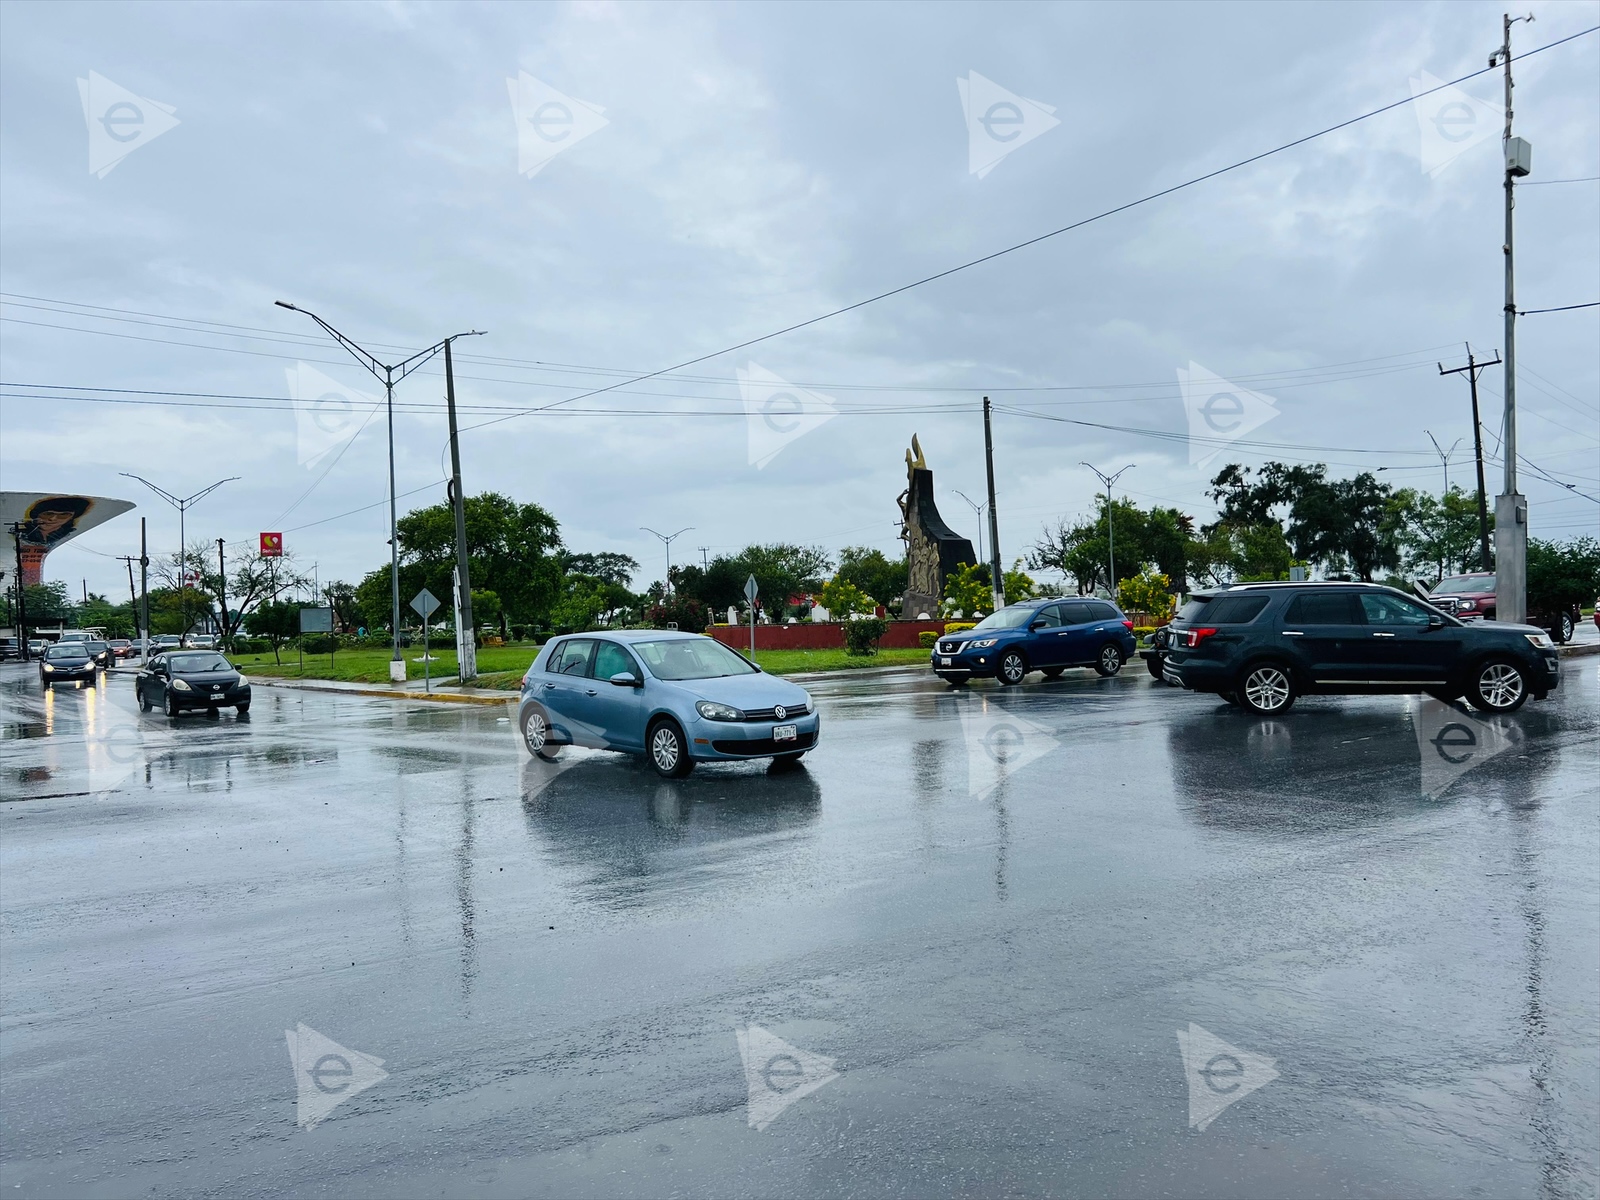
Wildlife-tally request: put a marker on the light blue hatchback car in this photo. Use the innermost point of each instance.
(678, 698)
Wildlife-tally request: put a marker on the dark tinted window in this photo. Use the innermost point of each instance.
(1194, 608)
(1235, 610)
(1075, 612)
(1099, 610)
(1322, 608)
(1384, 609)
(1049, 616)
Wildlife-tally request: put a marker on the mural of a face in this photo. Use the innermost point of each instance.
(54, 519)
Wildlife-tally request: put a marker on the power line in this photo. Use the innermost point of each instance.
(1528, 312)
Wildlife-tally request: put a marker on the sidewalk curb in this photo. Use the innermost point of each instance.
(384, 693)
(1574, 650)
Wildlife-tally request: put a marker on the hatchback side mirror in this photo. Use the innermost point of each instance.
(1435, 621)
(626, 679)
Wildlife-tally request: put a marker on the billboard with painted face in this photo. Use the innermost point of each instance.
(35, 523)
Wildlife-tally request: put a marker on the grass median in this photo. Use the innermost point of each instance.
(502, 666)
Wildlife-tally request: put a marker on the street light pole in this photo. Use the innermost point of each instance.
(666, 539)
(183, 507)
(977, 511)
(1444, 457)
(388, 374)
(1111, 545)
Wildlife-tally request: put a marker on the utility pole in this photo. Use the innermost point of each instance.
(1111, 545)
(977, 511)
(996, 578)
(222, 593)
(1444, 457)
(1472, 370)
(144, 590)
(466, 624)
(389, 375)
(183, 507)
(705, 560)
(666, 540)
(1511, 507)
(133, 596)
(22, 592)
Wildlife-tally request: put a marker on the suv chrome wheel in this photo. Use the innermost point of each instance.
(1012, 667)
(1110, 661)
(1500, 687)
(1267, 688)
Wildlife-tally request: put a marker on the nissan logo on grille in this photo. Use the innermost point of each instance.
(779, 712)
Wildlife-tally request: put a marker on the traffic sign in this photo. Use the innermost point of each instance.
(750, 589)
(424, 602)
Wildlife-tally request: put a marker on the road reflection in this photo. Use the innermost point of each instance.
(632, 837)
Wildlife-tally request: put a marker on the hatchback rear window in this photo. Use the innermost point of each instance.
(1235, 610)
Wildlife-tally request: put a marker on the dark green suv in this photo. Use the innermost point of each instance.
(1260, 645)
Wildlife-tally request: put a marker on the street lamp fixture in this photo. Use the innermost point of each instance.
(183, 507)
(1111, 545)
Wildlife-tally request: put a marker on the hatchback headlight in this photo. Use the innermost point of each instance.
(712, 711)
(982, 643)
(1542, 640)
(180, 685)
(244, 681)
(48, 667)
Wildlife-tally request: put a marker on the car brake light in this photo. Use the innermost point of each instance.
(1194, 637)
(1127, 624)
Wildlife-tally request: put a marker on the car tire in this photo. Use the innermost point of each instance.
(782, 761)
(1155, 666)
(668, 750)
(144, 701)
(1109, 661)
(170, 706)
(241, 709)
(1499, 685)
(1444, 695)
(1266, 689)
(1012, 669)
(92, 680)
(1565, 628)
(1053, 672)
(536, 735)
(1230, 698)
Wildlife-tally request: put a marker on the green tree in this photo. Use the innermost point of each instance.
(967, 593)
(879, 576)
(841, 597)
(1437, 536)
(611, 567)
(1017, 585)
(1562, 574)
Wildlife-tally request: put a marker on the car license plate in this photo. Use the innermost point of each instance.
(944, 662)
(785, 733)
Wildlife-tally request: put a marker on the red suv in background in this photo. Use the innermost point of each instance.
(1472, 595)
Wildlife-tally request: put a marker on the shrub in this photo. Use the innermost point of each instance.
(841, 598)
(927, 638)
(958, 626)
(319, 643)
(861, 637)
(689, 615)
(1148, 592)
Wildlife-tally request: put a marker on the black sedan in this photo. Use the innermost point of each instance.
(67, 662)
(183, 679)
(101, 652)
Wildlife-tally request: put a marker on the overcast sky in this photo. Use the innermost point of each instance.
(757, 166)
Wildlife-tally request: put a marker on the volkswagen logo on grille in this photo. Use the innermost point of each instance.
(779, 711)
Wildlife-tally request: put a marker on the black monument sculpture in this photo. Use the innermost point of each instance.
(933, 549)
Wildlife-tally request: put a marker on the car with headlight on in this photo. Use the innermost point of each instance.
(677, 698)
(178, 679)
(67, 662)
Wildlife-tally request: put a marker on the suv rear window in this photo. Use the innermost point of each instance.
(1323, 608)
(1193, 607)
(1099, 610)
(1234, 610)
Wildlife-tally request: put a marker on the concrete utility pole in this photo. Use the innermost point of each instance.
(388, 374)
(144, 589)
(466, 623)
(222, 593)
(1111, 545)
(1511, 507)
(997, 578)
(22, 592)
(1472, 370)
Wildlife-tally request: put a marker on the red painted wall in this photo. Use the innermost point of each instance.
(817, 636)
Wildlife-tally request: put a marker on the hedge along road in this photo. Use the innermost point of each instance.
(978, 918)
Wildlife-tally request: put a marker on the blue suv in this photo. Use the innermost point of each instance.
(1038, 635)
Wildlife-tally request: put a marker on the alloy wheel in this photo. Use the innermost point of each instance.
(1267, 689)
(1501, 686)
(664, 749)
(1110, 660)
(1012, 668)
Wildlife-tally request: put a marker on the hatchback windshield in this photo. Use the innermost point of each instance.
(1014, 617)
(184, 663)
(1465, 583)
(67, 650)
(697, 658)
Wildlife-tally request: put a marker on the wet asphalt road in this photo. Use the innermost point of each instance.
(993, 912)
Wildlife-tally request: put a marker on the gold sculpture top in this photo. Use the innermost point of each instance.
(914, 459)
